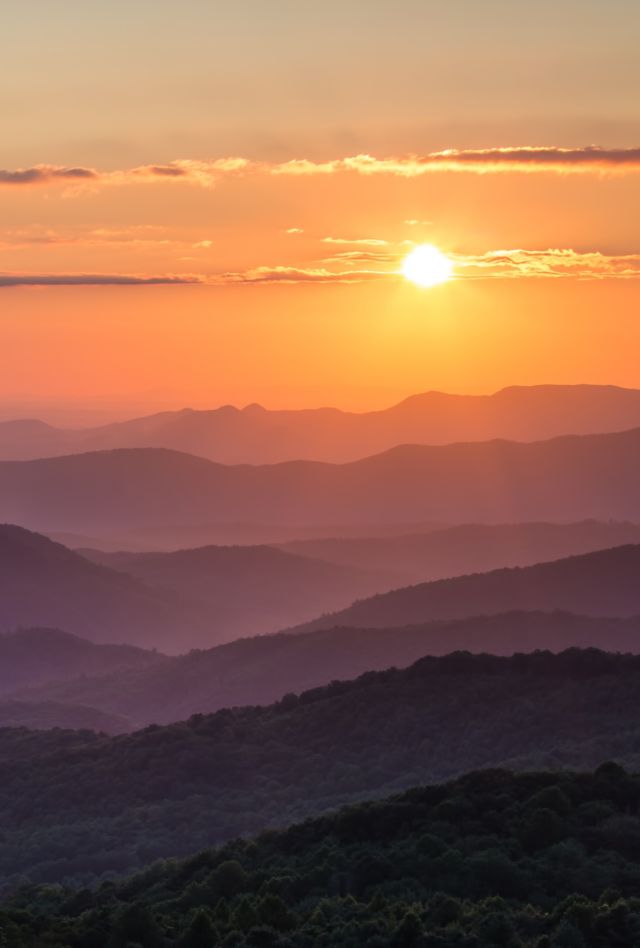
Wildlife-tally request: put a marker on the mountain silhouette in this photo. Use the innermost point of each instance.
(255, 435)
(176, 601)
(31, 657)
(565, 479)
(604, 583)
(468, 548)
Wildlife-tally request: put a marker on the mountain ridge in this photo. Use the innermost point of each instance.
(256, 435)
(567, 478)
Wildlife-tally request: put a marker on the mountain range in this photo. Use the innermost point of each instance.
(76, 805)
(194, 598)
(261, 670)
(255, 435)
(604, 583)
(34, 656)
(567, 478)
(467, 548)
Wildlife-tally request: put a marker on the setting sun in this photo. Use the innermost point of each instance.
(427, 266)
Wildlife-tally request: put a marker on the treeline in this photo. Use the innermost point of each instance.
(77, 806)
(492, 860)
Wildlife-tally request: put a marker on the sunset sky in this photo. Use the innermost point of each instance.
(209, 202)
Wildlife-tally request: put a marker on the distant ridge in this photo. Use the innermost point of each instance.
(568, 478)
(604, 583)
(256, 435)
(171, 601)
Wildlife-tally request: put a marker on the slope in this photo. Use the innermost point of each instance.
(604, 583)
(77, 805)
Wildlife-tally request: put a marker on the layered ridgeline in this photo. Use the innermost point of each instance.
(44, 715)
(263, 669)
(37, 656)
(76, 805)
(604, 583)
(194, 598)
(565, 479)
(492, 859)
(467, 548)
(256, 435)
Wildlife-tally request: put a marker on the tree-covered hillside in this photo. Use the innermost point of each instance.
(493, 860)
(75, 806)
(262, 669)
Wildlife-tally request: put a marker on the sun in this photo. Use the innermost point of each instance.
(427, 266)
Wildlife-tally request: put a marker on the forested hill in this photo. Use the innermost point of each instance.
(493, 859)
(73, 806)
(260, 670)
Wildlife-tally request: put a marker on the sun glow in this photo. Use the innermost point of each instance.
(427, 266)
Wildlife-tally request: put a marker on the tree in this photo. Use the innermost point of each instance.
(201, 932)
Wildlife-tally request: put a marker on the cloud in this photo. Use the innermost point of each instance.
(356, 241)
(362, 256)
(207, 172)
(495, 264)
(549, 263)
(91, 279)
(298, 275)
(524, 159)
(43, 174)
(202, 173)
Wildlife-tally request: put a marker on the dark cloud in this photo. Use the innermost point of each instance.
(91, 279)
(44, 173)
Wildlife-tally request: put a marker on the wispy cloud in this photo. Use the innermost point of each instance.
(495, 264)
(91, 279)
(356, 241)
(298, 275)
(485, 160)
(207, 172)
(364, 266)
(549, 263)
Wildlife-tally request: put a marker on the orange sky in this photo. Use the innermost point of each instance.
(220, 153)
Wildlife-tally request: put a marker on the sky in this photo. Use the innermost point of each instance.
(206, 202)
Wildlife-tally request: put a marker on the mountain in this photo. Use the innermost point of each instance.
(169, 537)
(491, 859)
(255, 435)
(244, 589)
(185, 599)
(468, 548)
(263, 669)
(31, 657)
(76, 805)
(565, 479)
(42, 583)
(41, 716)
(604, 583)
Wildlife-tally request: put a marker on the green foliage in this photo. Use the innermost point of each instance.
(386, 874)
(78, 808)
